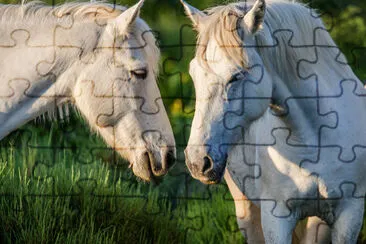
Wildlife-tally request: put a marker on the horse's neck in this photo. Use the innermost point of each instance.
(296, 111)
(35, 74)
(305, 102)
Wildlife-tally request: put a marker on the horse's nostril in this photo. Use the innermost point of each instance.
(170, 159)
(156, 167)
(207, 164)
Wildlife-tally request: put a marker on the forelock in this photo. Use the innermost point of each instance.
(223, 23)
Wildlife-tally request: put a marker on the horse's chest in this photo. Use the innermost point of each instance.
(311, 184)
(308, 179)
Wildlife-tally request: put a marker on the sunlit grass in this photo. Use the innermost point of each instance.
(60, 205)
(49, 196)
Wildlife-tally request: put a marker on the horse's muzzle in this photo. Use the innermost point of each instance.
(151, 166)
(206, 170)
(161, 168)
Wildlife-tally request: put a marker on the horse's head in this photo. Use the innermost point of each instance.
(117, 92)
(232, 86)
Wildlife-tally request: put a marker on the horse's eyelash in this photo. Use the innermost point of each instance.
(236, 77)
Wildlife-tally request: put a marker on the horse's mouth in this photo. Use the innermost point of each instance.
(211, 176)
(148, 173)
(210, 181)
(149, 177)
(156, 179)
(213, 180)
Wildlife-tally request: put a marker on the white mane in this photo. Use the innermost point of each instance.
(283, 19)
(40, 13)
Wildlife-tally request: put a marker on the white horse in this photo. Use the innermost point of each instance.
(278, 106)
(100, 58)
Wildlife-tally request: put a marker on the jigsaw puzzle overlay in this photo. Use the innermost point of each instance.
(84, 124)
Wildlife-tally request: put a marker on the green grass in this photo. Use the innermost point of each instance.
(66, 204)
(49, 195)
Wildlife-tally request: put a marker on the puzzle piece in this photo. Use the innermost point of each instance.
(183, 49)
(350, 90)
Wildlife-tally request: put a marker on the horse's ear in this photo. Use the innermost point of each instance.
(194, 14)
(255, 17)
(122, 23)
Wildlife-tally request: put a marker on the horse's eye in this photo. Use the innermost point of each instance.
(238, 76)
(139, 73)
(234, 78)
